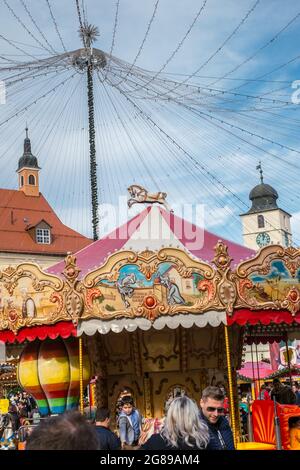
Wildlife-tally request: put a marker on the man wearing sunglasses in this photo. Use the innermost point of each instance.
(212, 413)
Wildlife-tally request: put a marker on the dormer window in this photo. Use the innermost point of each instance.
(43, 236)
(31, 180)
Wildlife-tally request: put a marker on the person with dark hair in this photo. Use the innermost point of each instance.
(130, 422)
(296, 390)
(212, 413)
(69, 431)
(107, 439)
(283, 394)
(14, 415)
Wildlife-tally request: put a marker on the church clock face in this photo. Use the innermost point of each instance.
(263, 239)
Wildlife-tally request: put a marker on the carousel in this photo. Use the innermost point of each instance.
(158, 307)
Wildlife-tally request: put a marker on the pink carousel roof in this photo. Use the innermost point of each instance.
(254, 370)
(152, 229)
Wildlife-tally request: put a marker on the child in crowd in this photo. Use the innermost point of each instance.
(130, 422)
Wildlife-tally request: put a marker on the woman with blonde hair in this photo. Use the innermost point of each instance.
(182, 429)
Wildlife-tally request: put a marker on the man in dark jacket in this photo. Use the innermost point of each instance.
(282, 393)
(212, 413)
(107, 439)
(296, 390)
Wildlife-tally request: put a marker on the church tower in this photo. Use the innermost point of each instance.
(28, 170)
(265, 223)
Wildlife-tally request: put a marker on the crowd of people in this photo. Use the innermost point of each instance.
(283, 393)
(187, 425)
(22, 410)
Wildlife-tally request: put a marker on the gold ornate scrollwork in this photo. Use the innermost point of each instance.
(73, 290)
(256, 295)
(71, 270)
(221, 259)
(227, 294)
(90, 296)
(243, 287)
(292, 301)
(226, 291)
(153, 303)
(209, 288)
(57, 298)
(28, 296)
(148, 269)
(261, 262)
(291, 257)
(151, 308)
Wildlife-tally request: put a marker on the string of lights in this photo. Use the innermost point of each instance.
(25, 27)
(143, 41)
(114, 33)
(218, 124)
(55, 25)
(180, 43)
(37, 26)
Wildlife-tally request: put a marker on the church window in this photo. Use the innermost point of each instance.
(260, 221)
(31, 179)
(286, 239)
(43, 236)
(22, 180)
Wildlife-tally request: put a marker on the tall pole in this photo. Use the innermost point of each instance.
(93, 164)
(257, 366)
(288, 359)
(80, 376)
(253, 374)
(230, 384)
(88, 60)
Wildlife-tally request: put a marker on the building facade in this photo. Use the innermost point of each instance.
(29, 228)
(265, 223)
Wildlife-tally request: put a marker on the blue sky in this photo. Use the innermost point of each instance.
(130, 150)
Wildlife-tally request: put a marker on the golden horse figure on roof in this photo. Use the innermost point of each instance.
(141, 195)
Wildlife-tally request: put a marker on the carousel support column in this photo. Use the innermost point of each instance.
(258, 376)
(253, 387)
(101, 384)
(288, 359)
(80, 375)
(99, 366)
(183, 347)
(230, 384)
(136, 354)
(148, 396)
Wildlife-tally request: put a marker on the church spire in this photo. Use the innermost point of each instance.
(28, 170)
(27, 143)
(259, 167)
(27, 160)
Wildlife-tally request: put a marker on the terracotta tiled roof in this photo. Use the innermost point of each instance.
(18, 212)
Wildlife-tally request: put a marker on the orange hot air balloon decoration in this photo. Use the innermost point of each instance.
(49, 371)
